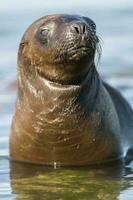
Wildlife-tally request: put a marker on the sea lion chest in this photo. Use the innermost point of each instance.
(68, 121)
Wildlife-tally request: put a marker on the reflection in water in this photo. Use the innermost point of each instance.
(37, 182)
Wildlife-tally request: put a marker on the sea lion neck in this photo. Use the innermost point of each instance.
(64, 80)
(85, 91)
(87, 81)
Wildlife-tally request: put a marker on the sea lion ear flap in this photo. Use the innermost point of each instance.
(23, 42)
(90, 22)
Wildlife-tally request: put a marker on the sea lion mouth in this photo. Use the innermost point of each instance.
(79, 52)
(73, 54)
(76, 53)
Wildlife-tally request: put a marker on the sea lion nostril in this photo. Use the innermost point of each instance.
(75, 28)
(84, 29)
(80, 28)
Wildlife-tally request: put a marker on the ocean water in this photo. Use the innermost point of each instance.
(114, 26)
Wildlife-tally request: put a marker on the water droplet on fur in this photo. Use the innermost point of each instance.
(59, 137)
(65, 139)
(55, 165)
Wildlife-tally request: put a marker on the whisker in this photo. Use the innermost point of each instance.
(98, 51)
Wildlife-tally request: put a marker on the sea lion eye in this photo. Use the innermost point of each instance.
(44, 32)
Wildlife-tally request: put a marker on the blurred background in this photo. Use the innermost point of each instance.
(114, 21)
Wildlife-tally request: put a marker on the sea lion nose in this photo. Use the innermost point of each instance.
(79, 28)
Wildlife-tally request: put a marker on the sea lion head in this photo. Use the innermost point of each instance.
(60, 48)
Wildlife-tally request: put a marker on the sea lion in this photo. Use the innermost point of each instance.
(65, 114)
